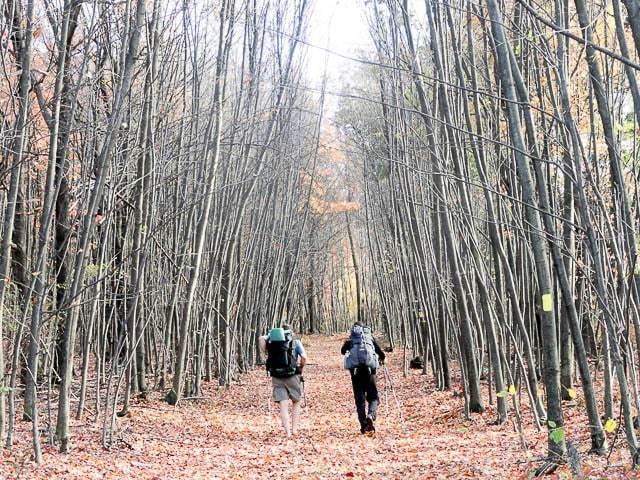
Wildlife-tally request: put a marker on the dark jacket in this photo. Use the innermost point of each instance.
(346, 346)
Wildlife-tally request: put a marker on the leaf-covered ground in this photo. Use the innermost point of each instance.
(234, 433)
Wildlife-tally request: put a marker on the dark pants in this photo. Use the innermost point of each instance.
(365, 391)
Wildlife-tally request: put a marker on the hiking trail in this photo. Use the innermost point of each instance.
(233, 433)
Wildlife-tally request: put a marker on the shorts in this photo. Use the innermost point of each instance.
(286, 388)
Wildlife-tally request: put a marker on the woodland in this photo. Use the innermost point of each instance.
(173, 184)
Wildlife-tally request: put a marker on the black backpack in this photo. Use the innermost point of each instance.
(281, 358)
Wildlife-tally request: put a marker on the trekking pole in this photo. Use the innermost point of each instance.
(386, 400)
(304, 391)
(269, 400)
(393, 390)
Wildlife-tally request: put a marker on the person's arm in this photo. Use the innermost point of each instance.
(379, 352)
(262, 343)
(302, 355)
(346, 346)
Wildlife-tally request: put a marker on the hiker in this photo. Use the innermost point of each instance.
(363, 355)
(285, 360)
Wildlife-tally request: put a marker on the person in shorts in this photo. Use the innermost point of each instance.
(289, 387)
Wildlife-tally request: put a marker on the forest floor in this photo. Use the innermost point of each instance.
(233, 433)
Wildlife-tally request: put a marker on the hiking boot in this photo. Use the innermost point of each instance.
(363, 430)
(370, 426)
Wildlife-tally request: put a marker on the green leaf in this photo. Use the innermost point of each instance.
(610, 425)
(501, 394)
(512, 390)
(5, 390)
(463, 429)
(91, 270)
(552, 424)
(572, 393)
(557, 435)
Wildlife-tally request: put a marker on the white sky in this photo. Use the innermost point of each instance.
(340, 26)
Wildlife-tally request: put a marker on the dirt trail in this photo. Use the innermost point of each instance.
(234, 433)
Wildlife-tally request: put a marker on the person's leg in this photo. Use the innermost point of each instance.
(295, 416)
(372, 397)
(294, 392)
(284, 416)
(359, 392)
(281, 396)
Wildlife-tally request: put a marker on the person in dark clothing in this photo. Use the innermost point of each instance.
(365, 391)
